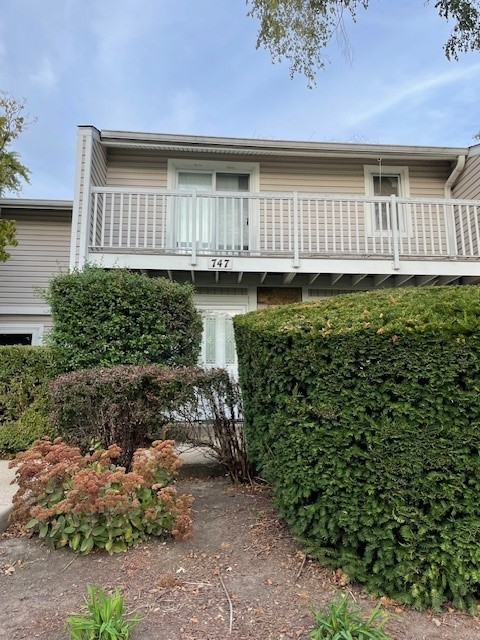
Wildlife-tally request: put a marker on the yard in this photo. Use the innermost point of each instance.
(240, 551)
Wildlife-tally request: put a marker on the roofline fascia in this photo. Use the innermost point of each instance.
(44, 205)
(211, 144)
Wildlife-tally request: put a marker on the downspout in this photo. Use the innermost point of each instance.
(452, 178)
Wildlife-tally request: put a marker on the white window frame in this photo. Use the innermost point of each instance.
(252, 169)
(404, 219)
(36, 330)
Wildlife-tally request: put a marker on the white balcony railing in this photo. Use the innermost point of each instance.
(282, 224)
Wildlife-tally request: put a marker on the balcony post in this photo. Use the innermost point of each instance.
(296, 254)
(395, 231)
(193, 256)
(451, 231)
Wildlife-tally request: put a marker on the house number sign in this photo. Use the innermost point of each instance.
(220, 264)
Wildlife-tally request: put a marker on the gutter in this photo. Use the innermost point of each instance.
(452, 178)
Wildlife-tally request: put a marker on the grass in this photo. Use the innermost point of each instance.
(339, 622)
(104, 618)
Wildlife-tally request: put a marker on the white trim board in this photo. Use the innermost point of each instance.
(36, 329)
(16, 310)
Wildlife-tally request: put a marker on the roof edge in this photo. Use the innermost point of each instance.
(27, 203)
(258, 145)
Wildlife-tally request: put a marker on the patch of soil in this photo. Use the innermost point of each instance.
(242, 569)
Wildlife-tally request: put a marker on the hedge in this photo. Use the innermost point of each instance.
(105, 318)
(24, 401)
(125, 405)
(363, 411)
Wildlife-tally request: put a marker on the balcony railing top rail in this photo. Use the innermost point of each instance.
(283, 223)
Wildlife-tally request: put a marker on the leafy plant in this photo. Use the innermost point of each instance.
(363, 413)
(123, 405)
(86, 502)
(24, 398)
(104, 618)
(338, 622)
(105, 318)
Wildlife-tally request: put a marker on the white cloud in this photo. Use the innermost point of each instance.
(417, 91)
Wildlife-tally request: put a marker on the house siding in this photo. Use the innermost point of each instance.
(343, 176)
(329, 176)
(136, 170)
(468, 184)
(43, 249)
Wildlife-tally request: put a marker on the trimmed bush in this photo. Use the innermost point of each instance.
(105, 318)
(24, 400)
(87, 502)
(364, 413)
(33, 424)
(125, 405)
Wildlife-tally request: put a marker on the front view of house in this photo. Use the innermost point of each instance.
(249, 222)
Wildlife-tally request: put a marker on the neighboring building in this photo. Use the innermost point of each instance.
(258, 222)
(43, 234)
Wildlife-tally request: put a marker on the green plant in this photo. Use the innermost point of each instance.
(104, 618)
(24, 399)
(87, 502)
(363, 411)
(33, 424)
(338, 622)
(106, 318)
(123, 405)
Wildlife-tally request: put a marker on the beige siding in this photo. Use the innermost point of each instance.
(341, 176)
(19, 319)
(332, 176)
(468, 184)
(78, 202)
(139, 170)
(99, 164)
(43, 248)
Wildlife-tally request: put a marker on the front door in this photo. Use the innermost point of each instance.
(218, 340)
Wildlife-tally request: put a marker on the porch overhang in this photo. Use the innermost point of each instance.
(327, 272)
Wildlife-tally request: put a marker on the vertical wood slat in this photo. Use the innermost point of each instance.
(462, 233)
(120, 222)
(112, 218)
(93, 240)
(477, 231)
(469, 230)
(321, 224)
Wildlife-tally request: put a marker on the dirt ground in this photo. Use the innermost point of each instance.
(241, 577)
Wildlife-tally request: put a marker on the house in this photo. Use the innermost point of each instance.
(250, 222)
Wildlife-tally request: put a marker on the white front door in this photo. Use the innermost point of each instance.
(218, 340)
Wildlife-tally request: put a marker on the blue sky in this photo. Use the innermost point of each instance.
(190, 66)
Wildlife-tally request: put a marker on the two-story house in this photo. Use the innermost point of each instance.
(255, 222)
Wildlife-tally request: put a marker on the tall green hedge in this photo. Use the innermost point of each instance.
(105, 318)
(364, 412)
(24, 399)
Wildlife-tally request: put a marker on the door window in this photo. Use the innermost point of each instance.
(221, 223)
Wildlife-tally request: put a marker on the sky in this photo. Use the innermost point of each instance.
(191, 66)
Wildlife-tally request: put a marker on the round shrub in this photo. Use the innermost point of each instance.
(105, 318)
(126, 405)
(364, 413)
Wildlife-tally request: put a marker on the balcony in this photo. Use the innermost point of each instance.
(286, 233)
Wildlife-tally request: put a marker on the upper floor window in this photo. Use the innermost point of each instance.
(386, 181)
(219, 223)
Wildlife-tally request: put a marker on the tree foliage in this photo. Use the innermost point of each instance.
(299, 30)
(13, 122)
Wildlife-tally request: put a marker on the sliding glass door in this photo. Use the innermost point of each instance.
(221, 220)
